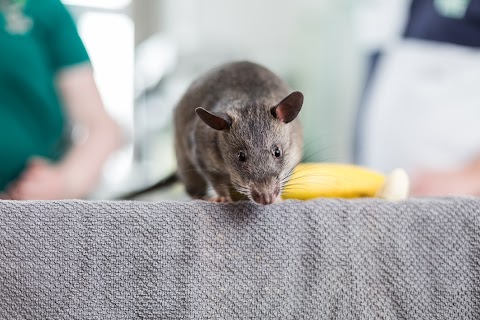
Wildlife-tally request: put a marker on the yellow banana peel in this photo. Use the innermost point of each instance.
(331, 180)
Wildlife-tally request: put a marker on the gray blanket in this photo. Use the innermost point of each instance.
(325, 259)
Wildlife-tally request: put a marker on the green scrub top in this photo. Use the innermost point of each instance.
(32, 50)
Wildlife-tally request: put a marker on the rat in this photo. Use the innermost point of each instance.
(237, 132)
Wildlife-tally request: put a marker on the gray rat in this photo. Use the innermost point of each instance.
(236, 130)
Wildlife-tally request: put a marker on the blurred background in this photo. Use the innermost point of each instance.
(146, 52)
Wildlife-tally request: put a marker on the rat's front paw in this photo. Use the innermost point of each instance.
(219, 199)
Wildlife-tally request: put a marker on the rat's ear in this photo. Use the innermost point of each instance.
(288, 108)
(218, 121)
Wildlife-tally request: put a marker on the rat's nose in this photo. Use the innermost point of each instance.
(265, 197)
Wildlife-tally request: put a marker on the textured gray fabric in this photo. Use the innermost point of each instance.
(325, 259)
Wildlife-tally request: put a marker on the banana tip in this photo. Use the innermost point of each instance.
(396, 186)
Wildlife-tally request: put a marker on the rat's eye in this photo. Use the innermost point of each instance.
(242, 157)
(276, 152)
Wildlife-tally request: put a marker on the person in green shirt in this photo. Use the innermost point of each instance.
(46, 89)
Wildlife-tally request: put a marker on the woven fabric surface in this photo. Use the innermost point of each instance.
(323, 259)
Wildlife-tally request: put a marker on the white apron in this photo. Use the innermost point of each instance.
(423, 109)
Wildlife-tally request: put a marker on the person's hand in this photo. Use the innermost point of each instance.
(41, 180)
(465, 181)
(79, 170)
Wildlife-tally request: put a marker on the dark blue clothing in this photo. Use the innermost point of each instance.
(426, 22)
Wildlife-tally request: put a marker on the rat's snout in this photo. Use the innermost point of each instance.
(265, 195)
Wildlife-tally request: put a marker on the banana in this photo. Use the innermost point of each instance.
(331, 180)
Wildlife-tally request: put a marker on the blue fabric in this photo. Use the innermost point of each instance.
(426, 21)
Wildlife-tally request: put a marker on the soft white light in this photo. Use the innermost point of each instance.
(108, 38)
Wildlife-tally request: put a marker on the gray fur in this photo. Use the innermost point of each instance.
(246, 93)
